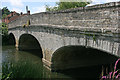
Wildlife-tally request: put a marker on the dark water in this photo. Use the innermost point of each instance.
(34, 62)
(30, 63)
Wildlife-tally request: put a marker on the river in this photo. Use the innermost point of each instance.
(21, 64)
(11, 55)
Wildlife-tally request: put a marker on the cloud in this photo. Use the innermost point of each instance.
(16, 3)
(104, 1)
(111, 0)
(17, 10)
(32, 0)
(94, 2)
(38, 9)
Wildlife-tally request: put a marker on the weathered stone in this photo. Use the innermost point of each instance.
(96, 27)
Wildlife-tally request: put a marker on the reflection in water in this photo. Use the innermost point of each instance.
(84, 72)
(29, 65)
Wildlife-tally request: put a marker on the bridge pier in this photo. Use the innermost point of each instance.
(47, 64)
(17, 43)
(47, 58)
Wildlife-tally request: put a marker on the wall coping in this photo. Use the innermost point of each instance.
(94, 7)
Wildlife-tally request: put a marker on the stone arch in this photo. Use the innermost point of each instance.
(68, 57)
(12, 40)
(28, 42)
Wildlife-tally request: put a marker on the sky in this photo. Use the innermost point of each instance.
(36, 6)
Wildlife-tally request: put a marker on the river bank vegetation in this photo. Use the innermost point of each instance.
(5, 37)
(113, 75)
(20, 70)
(3, 27)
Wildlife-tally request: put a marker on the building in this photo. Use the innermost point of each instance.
(14, 15)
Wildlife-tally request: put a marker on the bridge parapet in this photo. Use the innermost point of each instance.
(101, 18)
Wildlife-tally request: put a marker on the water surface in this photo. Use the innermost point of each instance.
(30, 59)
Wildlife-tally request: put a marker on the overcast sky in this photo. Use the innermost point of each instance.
(36, 6)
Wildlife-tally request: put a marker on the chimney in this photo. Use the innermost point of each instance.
(26, 8)
(21, 13)
(28, 12)
(11, 13)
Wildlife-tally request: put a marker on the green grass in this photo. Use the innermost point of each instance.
(21, 69)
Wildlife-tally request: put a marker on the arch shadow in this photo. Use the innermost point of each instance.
(80, 62)
(29, 43)
(11, 39)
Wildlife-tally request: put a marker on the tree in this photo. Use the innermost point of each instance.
(5, 12)
(3, 26)
(66, 5)
(51, 8)
(4, 29)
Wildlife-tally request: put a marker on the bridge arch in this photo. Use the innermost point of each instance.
(12, 40)
(28, 42)
(69, 57)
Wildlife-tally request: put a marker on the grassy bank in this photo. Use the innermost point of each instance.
(21, 69)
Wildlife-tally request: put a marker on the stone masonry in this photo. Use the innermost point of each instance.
(96, 27)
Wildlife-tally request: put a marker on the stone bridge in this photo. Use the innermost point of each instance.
(71, 38)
